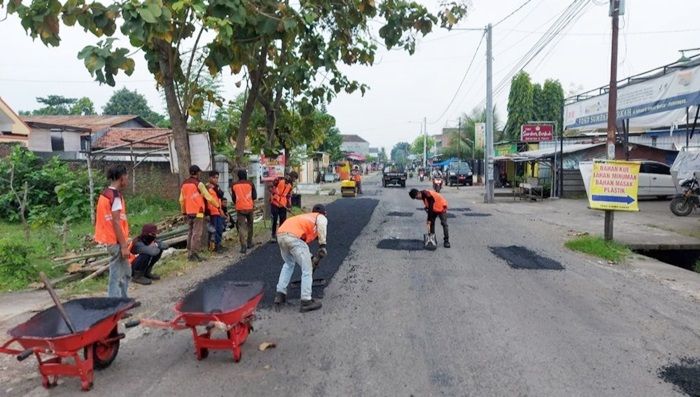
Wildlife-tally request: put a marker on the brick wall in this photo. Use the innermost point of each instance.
(152, 179)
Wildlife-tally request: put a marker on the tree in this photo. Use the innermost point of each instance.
(382, 158)
(553, 103)
(399, 152)
(537, 103)
(283, 48)
(83, 107)
(461, 142)
(331, 144)
(124, 102)
(54, 105)
(520, 105)
(417, 145)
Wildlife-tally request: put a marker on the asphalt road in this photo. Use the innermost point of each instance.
(456, 321)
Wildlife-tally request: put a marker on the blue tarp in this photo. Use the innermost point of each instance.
(445, 162)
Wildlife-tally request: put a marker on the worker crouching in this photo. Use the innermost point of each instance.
(294, 237)
(145, 251)
(436, 207)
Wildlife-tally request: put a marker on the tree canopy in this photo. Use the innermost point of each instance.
(400, 152)
(417, 145)
(124, 101)
(528, 102)
(58, 105)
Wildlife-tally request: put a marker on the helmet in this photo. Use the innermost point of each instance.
(319, 208)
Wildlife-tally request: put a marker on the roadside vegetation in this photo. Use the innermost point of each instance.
(598, 247)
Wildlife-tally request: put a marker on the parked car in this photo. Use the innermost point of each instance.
(655, 180)
(460, 173)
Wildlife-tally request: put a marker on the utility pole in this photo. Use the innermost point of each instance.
(425, 143)
(488, 153)
(612, 103)
(459, 136)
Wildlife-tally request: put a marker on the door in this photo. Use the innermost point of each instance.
(660, 180)
(644, 181)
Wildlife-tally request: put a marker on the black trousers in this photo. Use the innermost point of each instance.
(432, 216)
(144, 263)
(278, 213)
(245, 228)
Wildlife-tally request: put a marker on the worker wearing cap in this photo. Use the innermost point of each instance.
(436, 207)
(294, 237)
(193, 194)
(217, 221)
(112, 230)
(281, 200)
(243, 195)
(145, 251)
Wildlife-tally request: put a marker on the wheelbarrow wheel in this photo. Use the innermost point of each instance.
(104, 354)
(202, 353)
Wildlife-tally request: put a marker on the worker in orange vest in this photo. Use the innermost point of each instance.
(294, 237)
(112, 230)
(436, 207)
(216, 216)
(281, 200)
(243, 195)
(357, 177)
(193, 194)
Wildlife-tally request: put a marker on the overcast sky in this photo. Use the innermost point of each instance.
(404, 88)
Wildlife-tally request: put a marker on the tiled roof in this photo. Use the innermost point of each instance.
(93, 123)
(120, 136)
(352, 138)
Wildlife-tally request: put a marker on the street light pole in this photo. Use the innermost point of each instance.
(488, 153)
(612, 103)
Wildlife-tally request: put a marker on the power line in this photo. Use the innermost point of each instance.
(511, 14)
(650, 32)
(464, 77)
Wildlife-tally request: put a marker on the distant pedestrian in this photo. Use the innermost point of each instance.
(281, 200)
(243, 195)
(216, 218)
(193, 194)
(112, 230)
(294, 237)
(436, 207)
(145, 251)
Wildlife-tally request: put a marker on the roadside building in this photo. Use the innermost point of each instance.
(354, 144)
(12, 129)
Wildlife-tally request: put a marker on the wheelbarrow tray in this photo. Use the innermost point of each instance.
(94, 344)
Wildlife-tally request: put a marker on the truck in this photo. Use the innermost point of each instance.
(394, 175)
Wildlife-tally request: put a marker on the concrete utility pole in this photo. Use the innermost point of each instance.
(488, 153)
(612, 103)
(459, 136)
(425, 143)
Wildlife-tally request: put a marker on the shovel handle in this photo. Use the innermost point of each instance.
(25, 354)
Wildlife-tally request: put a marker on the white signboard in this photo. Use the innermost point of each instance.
(480, 135)
(200, 152)
(661, 101)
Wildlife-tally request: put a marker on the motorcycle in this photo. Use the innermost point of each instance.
(437, 184)
(421, 175)
(683, 204)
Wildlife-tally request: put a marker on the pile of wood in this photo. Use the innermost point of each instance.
(86, 265)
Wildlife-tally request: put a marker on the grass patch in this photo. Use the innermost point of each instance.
(90, 287)
(597, 246)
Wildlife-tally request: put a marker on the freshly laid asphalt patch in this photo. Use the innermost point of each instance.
(451, 215)
(476, 214)
(346, 219)
(399, 244)
(462, 209)
(395, 213)
(685, 375)
(522, 258)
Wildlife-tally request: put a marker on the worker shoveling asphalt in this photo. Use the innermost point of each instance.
(436, 207)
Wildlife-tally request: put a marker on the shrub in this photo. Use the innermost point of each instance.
(16, 270)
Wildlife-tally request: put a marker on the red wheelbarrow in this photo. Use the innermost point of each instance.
(94, 344)
(228, 306)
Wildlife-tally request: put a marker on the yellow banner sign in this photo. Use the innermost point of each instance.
(614, 185)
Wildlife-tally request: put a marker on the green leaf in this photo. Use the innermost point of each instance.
(147, 15)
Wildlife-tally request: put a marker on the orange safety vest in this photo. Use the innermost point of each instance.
(357, 178)
(243, 190)
(132, 255)
(440, 204)
(104, 230)
(302, 226)
(280, 191)
(194, 201)
(212, 209)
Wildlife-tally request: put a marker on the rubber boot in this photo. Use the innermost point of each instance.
(447, 243)
(139, 278)
(309, 305)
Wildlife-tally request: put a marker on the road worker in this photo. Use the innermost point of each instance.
(193, 195)
(281, 200)
(294, 237)
(436, 207)
(217, 221)
(112, 230)
(243, 195)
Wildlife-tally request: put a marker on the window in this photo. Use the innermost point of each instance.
(654, 168)
(56, 141)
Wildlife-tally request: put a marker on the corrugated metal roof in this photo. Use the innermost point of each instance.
(352, 138)
(119, 136)
(93, 123)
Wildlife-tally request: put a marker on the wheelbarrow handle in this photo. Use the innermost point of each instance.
(132, 323)
(25, 354)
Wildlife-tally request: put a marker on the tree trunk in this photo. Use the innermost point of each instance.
(256, 74)
(178, 118)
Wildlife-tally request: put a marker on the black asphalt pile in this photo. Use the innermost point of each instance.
(398, 244)
(522, 258)
(395, 213)
(346, 219)
(685, 375)
(476, 214)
